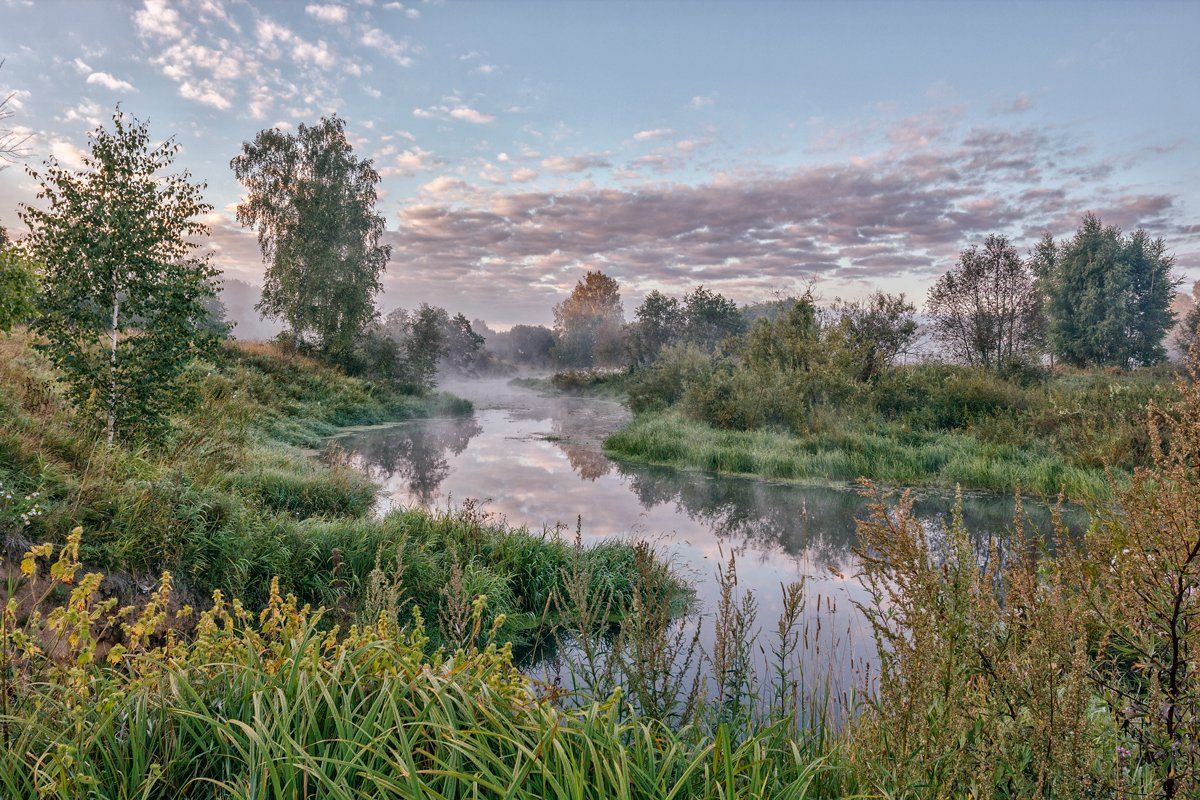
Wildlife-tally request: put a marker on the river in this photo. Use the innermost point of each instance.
(536, 461)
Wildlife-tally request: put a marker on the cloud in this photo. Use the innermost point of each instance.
(460, 112)
(67, 154)
(331, 13)
(110, 82)
(156, 18)
(14, 99)
(701, 101)
(85, 111)
(486, 69)
(411, 13)
(248, 61)
(409, 162)
(471, 115)
(444, 184)
(904, 211)
(523, 175)
(1019, 105)
(397, 51)
(577, 163)
(206, 93)
(656, 133)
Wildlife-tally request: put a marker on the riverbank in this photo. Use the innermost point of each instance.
(887, 454)
(925, 425)
(234, 498)
(598, 383)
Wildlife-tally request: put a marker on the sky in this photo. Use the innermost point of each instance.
(751, 147)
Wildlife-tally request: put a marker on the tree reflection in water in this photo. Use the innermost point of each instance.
(815, 522)
(415, 453)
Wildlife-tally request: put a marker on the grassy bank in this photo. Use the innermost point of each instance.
(936, 425)
(235, 499)
(272, 705)
(889, 453)
(604, 384)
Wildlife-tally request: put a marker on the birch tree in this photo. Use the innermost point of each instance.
(986, 310)
(312, 203)
(122, 299)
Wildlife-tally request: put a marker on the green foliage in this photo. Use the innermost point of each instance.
(313, 203)
(1003, 672)
(986, 310)
(122, 300)
(838, 450)
(18, 286)
(424, 346)
(704, 320)
(1110, 297)
(526, 345)
(882, 326)
(665, 380)
(942, 396)
(463, 344)
(587, 325)
(710, 318)
(595, 382)
(233, 501)
(658, 322)
(273, 704)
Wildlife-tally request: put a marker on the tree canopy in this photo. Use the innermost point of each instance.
(588, 323)
(986, 310)
(1109, 297)
(312, 202)
(123, 299)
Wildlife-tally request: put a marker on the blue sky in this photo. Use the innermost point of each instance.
(753, 147)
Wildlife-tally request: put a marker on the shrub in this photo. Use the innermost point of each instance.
(663, 382)
(944, 396)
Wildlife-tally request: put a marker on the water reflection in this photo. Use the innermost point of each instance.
(537, 461)
(413, 456)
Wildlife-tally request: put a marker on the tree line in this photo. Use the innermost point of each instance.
(113, 280)
(1101, 298)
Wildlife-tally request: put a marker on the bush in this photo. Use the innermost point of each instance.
(663, 382)
(945, 396)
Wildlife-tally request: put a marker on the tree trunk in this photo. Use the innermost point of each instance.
(112, 366)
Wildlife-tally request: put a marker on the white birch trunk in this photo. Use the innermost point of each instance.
(112, 365)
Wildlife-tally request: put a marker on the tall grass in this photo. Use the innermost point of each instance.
(889, 453)
(275, 705)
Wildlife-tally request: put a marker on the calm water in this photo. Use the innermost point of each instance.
(536, 461)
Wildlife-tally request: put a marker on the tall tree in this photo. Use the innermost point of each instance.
(710, 318)
(313, 204)
(588, 323)
(882, 326)
(123, 299)
(463, 344)
(658, 323)
(1110, 299)
(1188, 333)
(986, 310)
(1152, 288)
(425, 346)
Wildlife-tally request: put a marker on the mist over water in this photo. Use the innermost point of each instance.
(537, 461)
